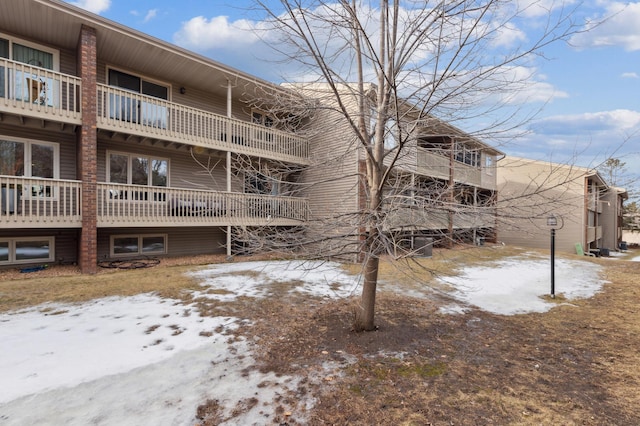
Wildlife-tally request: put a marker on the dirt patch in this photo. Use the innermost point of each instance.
(576, 364)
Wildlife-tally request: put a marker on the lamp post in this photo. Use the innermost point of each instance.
(552, 222)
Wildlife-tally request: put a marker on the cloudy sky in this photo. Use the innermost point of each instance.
(587, 89)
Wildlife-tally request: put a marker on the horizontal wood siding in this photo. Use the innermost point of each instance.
(184, 171)
(66, 141)
(192, 96)
(68, 62)
(332, 186)
(65, 244)
(180, 241)
(530, 191)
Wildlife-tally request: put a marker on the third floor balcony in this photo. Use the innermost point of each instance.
(37, 93)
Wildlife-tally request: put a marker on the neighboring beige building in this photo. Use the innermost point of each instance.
(442, 189)
(115, 144)
(588, 211)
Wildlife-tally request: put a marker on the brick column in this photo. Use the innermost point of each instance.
(87, 150)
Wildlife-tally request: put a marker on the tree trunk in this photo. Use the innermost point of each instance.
(365, 320)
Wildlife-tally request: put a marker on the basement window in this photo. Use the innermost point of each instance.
(138, 245)
(26, 250)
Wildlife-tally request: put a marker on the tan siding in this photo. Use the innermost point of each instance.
(180, 241)
(68, 62)
(184, 172)
(65, 243)
(67, 142)
(193, 97)
(531, 191)
(333, 183)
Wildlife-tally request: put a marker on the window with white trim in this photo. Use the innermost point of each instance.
(141, 110)
(26, 84)
(26, 250)
(133, 245)
(28, 158)
(137, 169)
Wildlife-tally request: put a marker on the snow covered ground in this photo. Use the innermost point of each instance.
(146, 360)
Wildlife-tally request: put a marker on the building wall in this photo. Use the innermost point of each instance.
(192, 96)
(332, 186)
(180, 241)
(184, 170)
(528, 192)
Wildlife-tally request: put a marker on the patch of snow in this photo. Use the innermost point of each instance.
(147, 360)
(253, 279)
(514, 286)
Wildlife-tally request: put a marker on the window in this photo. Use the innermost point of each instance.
(28, 86)
(467, 155)
(258, 183)
(141, 111)
(489, 161)
(26, 250)
(263, 119)
(21, 157)
(135, 169)
(259, 117)
(133, 245)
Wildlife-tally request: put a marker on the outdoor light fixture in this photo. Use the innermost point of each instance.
(552, 222)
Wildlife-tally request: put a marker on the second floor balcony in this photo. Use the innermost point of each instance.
(56, 203)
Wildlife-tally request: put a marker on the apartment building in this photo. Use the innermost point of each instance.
(588, 211)
(441, 191)
(114, 144)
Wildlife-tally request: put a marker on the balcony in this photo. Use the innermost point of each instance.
(145, 116)
(37, 92)
(144, 206)
(436, 164)
(39, 203)
(437, 218)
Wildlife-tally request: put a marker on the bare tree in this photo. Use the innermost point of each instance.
(381, 72)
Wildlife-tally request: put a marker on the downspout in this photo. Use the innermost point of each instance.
(229, 93)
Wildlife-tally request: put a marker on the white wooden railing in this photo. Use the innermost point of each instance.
(134, 205)
(39, 203)
(429, 217)
(39, 92)
(124, 111)
(437, 163)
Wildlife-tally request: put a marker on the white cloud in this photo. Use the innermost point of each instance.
(540, 8)
(629, 75)
(585, 139)
(150, 15)
(204, 34)
(618, 26)
(95, 6)
(508, 36)
(619, 120)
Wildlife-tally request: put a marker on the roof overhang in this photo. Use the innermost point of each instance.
(58, 24)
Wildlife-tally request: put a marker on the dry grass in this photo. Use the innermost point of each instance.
(575, 365)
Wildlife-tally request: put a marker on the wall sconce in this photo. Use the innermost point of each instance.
(183, 90)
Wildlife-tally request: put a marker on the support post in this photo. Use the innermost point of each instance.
(553, 265)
